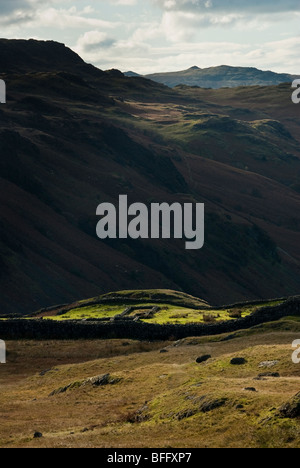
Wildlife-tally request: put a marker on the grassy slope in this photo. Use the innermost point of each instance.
(172, 384)
(175, 308)
(169, 296)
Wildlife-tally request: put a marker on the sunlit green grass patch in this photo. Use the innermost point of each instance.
(96, 312)
(168, 313)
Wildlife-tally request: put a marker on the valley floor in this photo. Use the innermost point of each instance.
(152, 399)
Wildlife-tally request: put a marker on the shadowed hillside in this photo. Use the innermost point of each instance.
(73, 136)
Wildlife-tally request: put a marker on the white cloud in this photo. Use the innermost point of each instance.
(122, 2)
(141, 56)
(94, 40)
(182, 18)
(43, 14)
(229, 6)
(180, 34)
(70, 18)
(183, 26)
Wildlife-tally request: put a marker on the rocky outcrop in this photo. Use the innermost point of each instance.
(291, 409)
(98, 381)
(210, 404)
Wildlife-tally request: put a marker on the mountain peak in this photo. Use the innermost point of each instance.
(23, 56)
(131, 74)
(223, 76)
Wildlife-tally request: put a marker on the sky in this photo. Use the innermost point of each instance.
(148, 36)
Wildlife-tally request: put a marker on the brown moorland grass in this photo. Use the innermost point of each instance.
(158, 400)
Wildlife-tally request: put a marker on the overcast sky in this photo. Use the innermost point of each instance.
(147, 36)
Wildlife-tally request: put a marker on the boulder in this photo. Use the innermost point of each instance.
(204, 358)
(274, 375)
(268, 364)
(98, 381)
(238, 361)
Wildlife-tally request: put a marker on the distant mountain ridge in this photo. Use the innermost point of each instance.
(219, 77)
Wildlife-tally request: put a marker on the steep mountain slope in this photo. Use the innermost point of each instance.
(220, 77)
(73, 136)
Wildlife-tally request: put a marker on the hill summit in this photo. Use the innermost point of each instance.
(221, 77)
